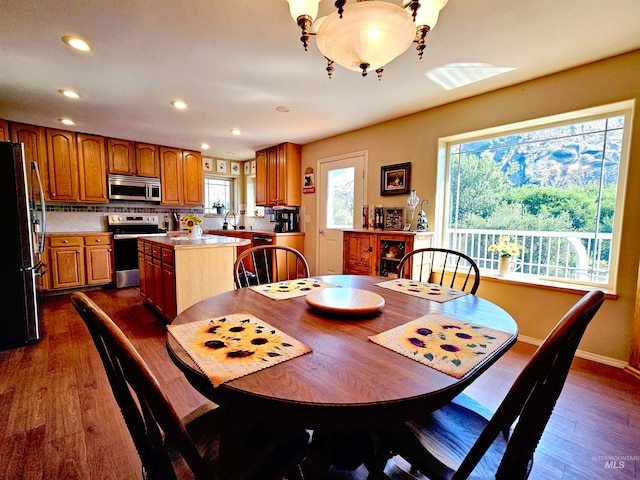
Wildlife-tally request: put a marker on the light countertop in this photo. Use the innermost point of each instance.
(206, 240)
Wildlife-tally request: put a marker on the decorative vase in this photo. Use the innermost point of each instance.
(504, 266)
(195, 232)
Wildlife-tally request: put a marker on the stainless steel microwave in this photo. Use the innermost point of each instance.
(144, 189)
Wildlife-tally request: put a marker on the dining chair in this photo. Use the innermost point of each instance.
(204, 444)
(458, 441)
(459, 271)
(269, 263)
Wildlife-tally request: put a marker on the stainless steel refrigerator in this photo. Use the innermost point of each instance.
(23, 223)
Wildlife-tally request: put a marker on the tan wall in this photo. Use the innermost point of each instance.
(414, 139)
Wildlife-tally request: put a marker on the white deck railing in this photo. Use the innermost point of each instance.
(582, 256)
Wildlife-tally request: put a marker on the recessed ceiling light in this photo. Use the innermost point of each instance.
(236, 131)
(179, 104)
(69, 93)
(66, 121)
(204, 146)
(77, 42)
(283, 109)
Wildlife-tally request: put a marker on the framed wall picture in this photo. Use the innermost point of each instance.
(247, 168)
(235, 168)
(207, 164)
(221, 166)
(394, 218)
(395, 179)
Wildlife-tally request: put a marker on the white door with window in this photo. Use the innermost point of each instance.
(341, 195)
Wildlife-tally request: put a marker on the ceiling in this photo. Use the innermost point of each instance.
(235, 61)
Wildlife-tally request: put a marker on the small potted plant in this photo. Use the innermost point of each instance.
(218, 206)
(506, 249)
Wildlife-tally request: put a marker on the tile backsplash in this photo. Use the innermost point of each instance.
(92, 218)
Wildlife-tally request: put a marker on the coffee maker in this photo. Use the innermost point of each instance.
(286, 219)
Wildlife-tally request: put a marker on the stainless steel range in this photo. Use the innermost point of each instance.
(126, 230)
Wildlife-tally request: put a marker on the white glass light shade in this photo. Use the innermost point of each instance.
(368, 32)
(303, 7)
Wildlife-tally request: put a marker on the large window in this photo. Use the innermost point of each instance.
(555, 189)
(218, 189)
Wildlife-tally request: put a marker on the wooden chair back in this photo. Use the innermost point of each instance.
(533, 395)
(269, 263)
(148, 414)
(458, 270)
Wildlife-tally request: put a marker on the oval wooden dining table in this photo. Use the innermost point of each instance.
(347, 382)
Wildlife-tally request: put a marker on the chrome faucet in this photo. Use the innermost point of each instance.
(225, 225)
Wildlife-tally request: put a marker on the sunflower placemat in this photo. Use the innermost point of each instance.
(230, 347)
(447, 344)
(291, 288)
(430, 291)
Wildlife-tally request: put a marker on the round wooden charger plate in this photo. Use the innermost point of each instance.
(345, 300)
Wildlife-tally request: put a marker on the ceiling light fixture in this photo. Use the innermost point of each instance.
(66, 121)
(179, 104)
(77, 42)
(204, 146)
(283, 109)
(368, 34)
(236, 131)
(69, 93)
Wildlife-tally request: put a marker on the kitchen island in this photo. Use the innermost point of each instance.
(177, 271)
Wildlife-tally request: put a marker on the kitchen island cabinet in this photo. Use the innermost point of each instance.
(177, 271)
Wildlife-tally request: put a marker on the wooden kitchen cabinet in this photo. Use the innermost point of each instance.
(121, 156)
(4, 131)
(358, 256)
(34, 141)
(92, 168)
(156, 273)
(171, 175)
(99, 259)
(66, 260)
(147, 160)
(157, 278)
(261, 177)
(76, 167)
(278, 177)
(181, 177)
(192, 177)
(126, 157)
(78, 260)
(142, 271)
(62, 165)
(170, 306)
(289, 240)
(367, 252)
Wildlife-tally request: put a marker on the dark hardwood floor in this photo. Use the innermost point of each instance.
(58, 419)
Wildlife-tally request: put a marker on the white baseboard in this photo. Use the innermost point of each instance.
(613, 362)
